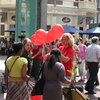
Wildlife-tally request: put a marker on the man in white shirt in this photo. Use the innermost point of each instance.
(92, 60)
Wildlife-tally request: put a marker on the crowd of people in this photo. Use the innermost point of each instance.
(25, 61)
(5, 45)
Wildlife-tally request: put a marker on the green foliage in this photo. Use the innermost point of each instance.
(74, 68)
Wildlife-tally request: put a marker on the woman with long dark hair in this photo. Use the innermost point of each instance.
(16, 68)
(54, 73)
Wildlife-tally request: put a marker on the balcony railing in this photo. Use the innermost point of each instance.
(7, 1)
(89, 4)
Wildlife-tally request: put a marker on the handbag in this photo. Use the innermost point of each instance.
(72, 93)
(78, 60)
(38, 88)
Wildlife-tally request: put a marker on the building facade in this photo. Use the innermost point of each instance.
(95, 22)
(76, 13)
(7, 17)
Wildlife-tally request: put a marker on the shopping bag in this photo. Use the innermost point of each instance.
(71, 93)
(37, 97)
(67, 93)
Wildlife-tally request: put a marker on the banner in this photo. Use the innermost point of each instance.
(80, 19)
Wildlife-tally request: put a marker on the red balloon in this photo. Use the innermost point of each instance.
(33, 37)
(57, 31)
(54, 33)
(41, 34)
(50, 37)
(35, 40)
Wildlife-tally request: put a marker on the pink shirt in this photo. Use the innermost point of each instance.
(82, 52)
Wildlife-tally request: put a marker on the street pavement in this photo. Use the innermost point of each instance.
(92, 97)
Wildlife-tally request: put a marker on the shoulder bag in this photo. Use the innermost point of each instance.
(38, 88)
(78, 60)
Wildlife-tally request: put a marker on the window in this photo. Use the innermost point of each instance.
(98, 17)
(2, 19)
(2, 29)
(81, 28)
(76, 4)
(50, 1)
(48, 27)
(58, 2)
(91, 21)
(95, 19)
(98, 4)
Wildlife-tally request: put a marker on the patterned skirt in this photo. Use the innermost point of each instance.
(17, 91)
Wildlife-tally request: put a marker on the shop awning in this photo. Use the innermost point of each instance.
(93, 30)
(23, 29)
(71, 29)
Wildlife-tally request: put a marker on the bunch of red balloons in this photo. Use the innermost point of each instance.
(41, 36)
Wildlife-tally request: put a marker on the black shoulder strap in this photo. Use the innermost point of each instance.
(13, 64)
(41, 70)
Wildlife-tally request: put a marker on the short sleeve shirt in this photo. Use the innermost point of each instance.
(68, 52)
(92, 53)
(16, 70)
(82, 52)
(35, 50)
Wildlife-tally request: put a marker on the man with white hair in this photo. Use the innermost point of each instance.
(92, 60)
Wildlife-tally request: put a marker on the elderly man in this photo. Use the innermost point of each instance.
(92, 61)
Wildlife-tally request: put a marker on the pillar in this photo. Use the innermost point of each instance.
(31, 17)
(0, 24)
(53, 19)
(18, 19)
(44, 14)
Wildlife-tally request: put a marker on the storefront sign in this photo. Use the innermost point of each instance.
(13, 17)
(66, 20)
